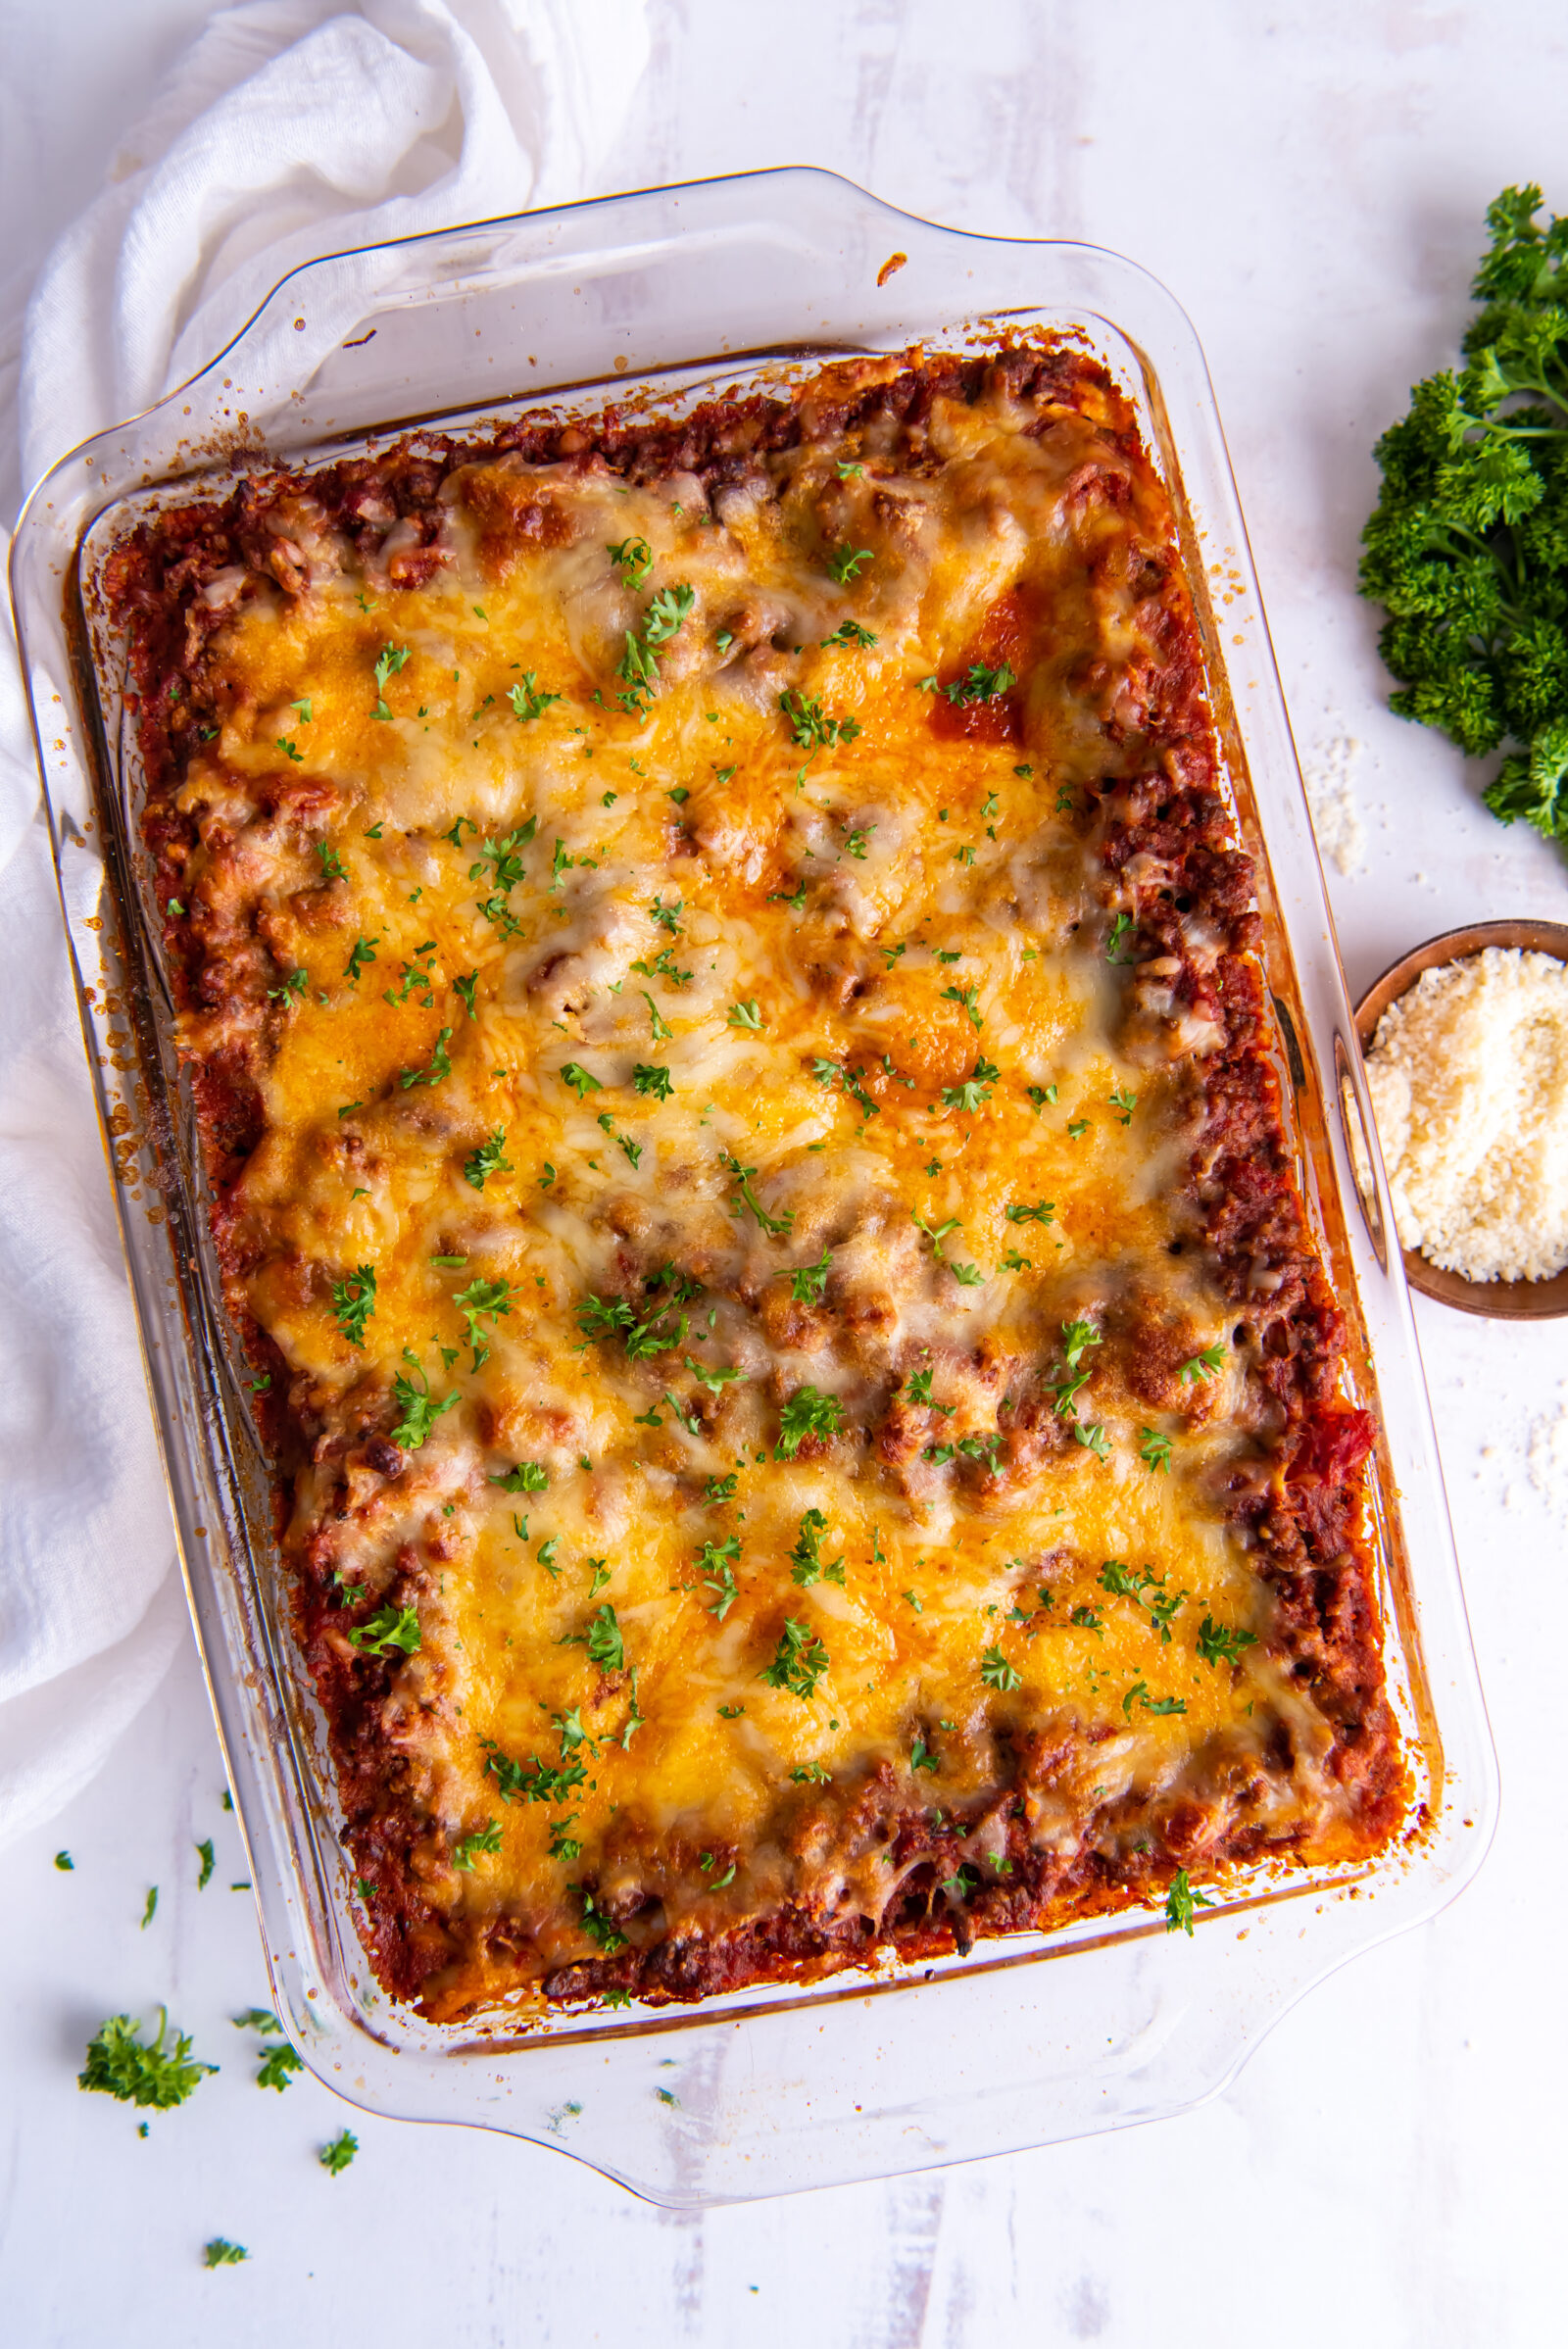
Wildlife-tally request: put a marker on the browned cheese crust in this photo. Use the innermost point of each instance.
(1017, 858)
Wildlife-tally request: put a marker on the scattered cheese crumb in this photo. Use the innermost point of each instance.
(1548, 1459)
(1336, 817)
(1469, 1080)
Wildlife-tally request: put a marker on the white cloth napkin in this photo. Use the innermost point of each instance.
(292, 128)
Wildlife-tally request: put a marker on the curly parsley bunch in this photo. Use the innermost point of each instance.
(1468, 546)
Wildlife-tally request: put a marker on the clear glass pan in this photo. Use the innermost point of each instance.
(1028, 2041)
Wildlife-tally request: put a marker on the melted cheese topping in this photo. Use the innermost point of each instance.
(845, 919)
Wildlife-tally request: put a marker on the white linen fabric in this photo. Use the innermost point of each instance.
(291, 128)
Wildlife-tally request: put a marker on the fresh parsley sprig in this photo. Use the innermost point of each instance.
(1467, 548)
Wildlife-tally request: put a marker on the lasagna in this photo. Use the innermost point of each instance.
(724, 1013)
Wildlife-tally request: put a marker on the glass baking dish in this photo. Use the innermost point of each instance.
(664, 296)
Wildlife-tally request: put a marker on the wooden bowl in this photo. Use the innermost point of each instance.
(1497, 1300)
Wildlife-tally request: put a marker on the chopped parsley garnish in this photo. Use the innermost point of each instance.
(563, 1844)
(391, 658)
(1123, 1103)
(848, 634)
(1155, 1451)
(500, 864)
(147, 2072)
(332, 866)
(975, 1089)
(1205, 1365)
(292, 989)
(1093, 1439)
(534, 1781)
(388, 1628)
(1181, 1903)
(633, 558)
(1077, 1128)
(485, 1840)
(809, 729)
(354, 1302)
(527, 702)
(639, 663)
(650, 1079)
(413, 1399)
(775, 1226)
(482, 1304)
(209, 1861)
(336, 2157)
(980, 684)
(718, 1489)
(361, 953)
(1042, 1212)
(65, 1863)
(809, 1282)
(1118, 930)
(809, 1773)
(438, 1066)
(222, 2253)
(596, 1926)
(488, 1159)
(799, 1661)
(602, 1640)
(808, 1566)
(612, 1318)
(582, 1081)
(807, 1412)
(845, 563)
(746, 1015)
(1151, 1704)
(466, 988)
(715, 1562)
(528, 1476)
(1136, 1584)
(1217, 1645)
(997, 1672)
(967, 997)
(923, 1757)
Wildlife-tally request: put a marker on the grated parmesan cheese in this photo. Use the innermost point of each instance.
(1469, 1080)
(1331, 796)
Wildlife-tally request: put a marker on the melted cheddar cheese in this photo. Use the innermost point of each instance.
(695, 994)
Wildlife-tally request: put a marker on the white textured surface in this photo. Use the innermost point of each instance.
(1309, 182)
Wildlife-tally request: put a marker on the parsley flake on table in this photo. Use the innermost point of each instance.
(147, 2072)
(336, 2157)
(222, 2253)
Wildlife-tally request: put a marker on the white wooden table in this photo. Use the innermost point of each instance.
(1310, 182)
